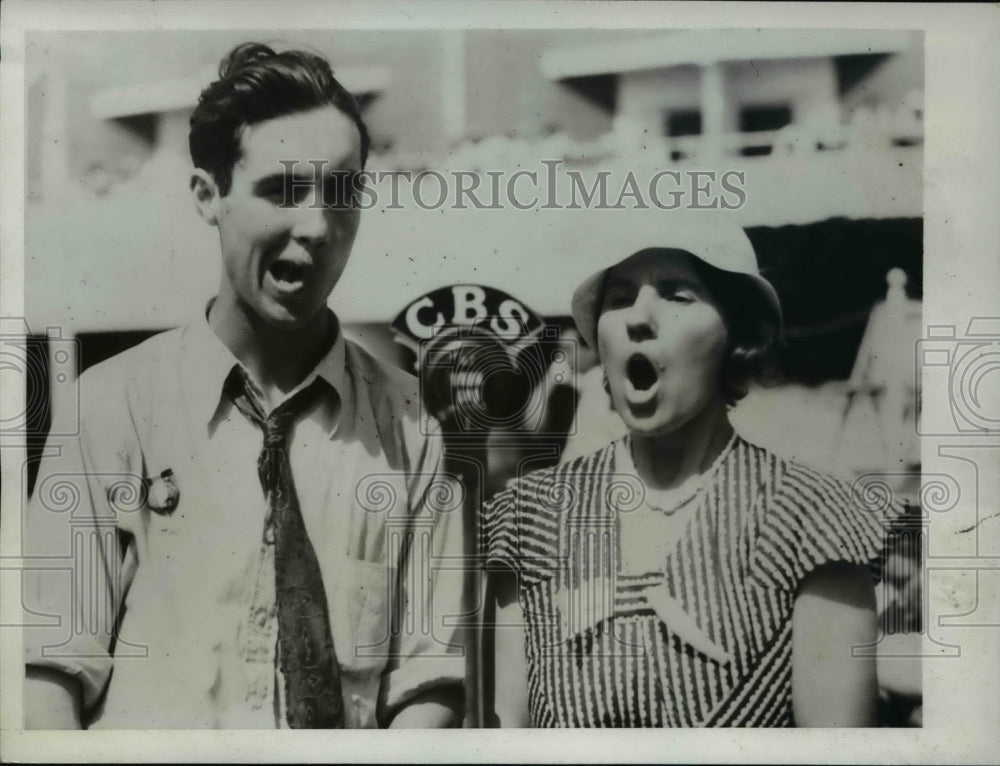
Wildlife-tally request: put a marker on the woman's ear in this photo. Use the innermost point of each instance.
(206, 196)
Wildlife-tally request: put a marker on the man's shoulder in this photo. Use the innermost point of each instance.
(123, 388)
(388, 387)
(387, 399)
(138, 362)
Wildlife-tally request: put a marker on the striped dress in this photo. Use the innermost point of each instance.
(704, 640)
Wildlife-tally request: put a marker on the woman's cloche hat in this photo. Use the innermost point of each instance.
(714, 240)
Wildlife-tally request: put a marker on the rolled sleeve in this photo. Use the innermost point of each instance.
(429, 650)
(77, 567)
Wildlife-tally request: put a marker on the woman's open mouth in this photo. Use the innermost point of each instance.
(643, 379)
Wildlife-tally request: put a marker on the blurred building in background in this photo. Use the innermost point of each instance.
(825, 126)
(104, 111)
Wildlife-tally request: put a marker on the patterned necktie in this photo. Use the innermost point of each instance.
(305, 644)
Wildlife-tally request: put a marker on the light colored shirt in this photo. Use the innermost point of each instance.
(167, 618)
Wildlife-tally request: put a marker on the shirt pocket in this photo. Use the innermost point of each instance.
(360, 616)
(359, 620)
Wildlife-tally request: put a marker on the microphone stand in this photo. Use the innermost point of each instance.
(466, 457)
(457, 407)
(467, 375)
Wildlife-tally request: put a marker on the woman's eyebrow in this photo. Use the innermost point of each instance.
(679, 282)
(672, 282)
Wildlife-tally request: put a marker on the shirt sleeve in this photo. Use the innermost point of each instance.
(76, 565)
(498, 533)
(429, 643)
(815, 519)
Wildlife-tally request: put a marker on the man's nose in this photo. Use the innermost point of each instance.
(312, 220)
(640, 320)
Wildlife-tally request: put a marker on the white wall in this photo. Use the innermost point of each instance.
(807, 85)
(645, 96)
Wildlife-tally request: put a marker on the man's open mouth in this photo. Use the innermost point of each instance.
(641, 372)
(288, 273)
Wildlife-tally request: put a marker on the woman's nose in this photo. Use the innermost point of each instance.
(640, 321)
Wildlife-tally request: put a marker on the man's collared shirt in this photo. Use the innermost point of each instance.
(167, 615)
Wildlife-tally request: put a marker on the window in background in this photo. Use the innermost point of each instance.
(678, 123)
(762, 118)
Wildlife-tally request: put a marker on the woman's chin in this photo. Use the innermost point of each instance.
(646, 423)
(655, 419)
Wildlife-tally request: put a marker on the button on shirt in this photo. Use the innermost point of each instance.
(167, 615)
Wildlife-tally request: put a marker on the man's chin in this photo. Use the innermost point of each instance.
(291, 317)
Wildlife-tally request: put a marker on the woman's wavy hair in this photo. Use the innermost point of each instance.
(257, 84)
(755, 331)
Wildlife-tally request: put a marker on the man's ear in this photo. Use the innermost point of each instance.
(206, 196)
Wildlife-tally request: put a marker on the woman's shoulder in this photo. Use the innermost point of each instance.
(813, 517)
(565, 477)
(787, 479)
(529, 513)
(802, 482)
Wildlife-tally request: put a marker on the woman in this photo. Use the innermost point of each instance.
(681, 576)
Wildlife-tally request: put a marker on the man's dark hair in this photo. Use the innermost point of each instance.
(257, 84)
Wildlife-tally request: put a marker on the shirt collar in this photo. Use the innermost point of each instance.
(208, 362)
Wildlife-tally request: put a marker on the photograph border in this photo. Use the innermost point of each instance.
(962, 283)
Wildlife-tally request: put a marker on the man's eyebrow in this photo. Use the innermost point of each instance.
(303, 175)
(279, 179)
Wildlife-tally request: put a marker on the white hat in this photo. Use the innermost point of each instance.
(712, 239)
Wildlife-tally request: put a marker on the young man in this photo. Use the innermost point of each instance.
(251, 538)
